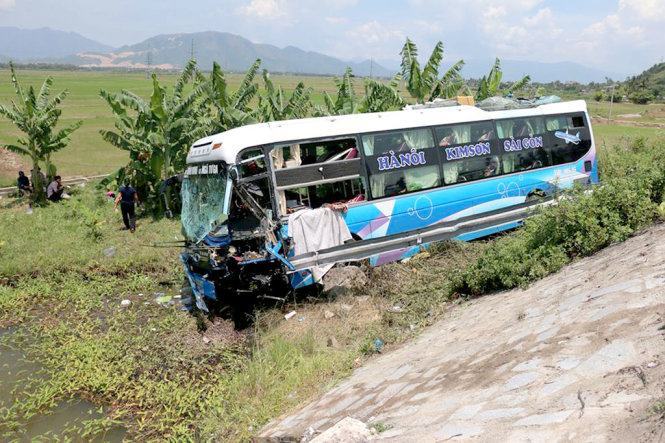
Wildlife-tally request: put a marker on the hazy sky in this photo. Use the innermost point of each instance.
(619, 35)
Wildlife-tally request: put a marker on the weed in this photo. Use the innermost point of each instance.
(380, 427)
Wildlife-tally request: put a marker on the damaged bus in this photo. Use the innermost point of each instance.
(271, 207)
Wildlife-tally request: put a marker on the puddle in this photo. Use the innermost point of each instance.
(66, 421)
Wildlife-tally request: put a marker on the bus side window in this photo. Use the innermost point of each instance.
(568, 138)
(310, 174)
(251, 162)
(467, 152)
(523, 143)
(400, 162)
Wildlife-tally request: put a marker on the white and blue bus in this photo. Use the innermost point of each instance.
(404, 179)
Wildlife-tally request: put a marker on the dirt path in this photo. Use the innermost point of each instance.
(577, 356)
(623, 122)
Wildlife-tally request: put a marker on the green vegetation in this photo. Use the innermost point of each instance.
(36, 115)
(647, 86)
(157, 134)
(424, 84)
(490, 85)
(164, 374)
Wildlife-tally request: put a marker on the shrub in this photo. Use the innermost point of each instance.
(581, 224)
(641, 97)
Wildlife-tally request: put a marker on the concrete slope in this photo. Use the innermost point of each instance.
(577, 356)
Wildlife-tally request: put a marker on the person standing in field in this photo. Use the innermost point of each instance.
(127, 198)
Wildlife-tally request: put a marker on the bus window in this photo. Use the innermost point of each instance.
(523, 143)
(568, 138)
(302, 154)
(342, 192)
(467, 152)
(464, 134)
(400, 162)
(251, 162)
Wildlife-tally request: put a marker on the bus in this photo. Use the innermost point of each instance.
(395, 182)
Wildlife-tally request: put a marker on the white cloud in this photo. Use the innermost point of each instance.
(6, 5)
(374, 32)
(651, 10)
(264, 9)
(336, 20)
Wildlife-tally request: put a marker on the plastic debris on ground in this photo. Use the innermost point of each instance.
(109, 252)
(378, 345)
(289, 315)
(125, 303)
(164, 300)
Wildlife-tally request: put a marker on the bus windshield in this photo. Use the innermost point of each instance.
(204, 203)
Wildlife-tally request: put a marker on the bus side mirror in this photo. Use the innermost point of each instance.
(233, 173)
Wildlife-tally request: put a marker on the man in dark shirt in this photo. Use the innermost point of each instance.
(126, 198)
(24, 183)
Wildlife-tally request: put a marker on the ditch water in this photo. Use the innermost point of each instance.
(65, 421)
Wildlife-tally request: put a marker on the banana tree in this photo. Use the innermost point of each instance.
(378, 97)
(490, 85)
(157, 133)
(230, 110)
(274, 105)
(36, 114)
(424, 84)
(346, 100)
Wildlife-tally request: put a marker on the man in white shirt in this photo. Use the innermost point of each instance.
(55, 189)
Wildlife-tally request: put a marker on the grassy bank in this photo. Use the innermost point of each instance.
(161, 373)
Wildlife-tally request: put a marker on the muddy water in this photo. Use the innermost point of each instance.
(66, 420)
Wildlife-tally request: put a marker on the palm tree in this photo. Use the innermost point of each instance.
(274, 105)
(490, 85)
(424, 84)
(37, 115)
(156, 133)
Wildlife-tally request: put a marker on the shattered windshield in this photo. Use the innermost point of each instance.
(204, 203)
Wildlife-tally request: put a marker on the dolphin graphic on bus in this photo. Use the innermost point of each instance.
(569, 138)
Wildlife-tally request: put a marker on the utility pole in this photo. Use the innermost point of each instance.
(609, 117)
(148, 64)
(192, 53)
(371, 67)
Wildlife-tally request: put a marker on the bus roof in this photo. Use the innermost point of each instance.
(235, 140)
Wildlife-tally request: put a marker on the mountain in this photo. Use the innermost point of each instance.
(236, 53)
(541, 72)
(232, 52)
(44, 44)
